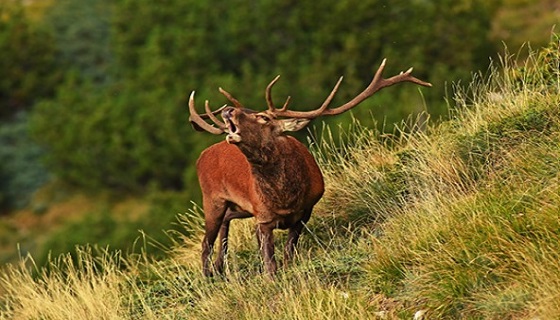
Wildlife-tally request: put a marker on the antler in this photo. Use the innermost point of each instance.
(376, 84)
(268, 97)
(198, 120)
(236, 103)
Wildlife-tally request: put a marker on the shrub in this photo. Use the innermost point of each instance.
(21, 171)
(123, 139)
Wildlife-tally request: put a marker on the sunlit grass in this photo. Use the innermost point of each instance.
(86, 289)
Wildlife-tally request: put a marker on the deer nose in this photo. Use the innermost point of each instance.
(227, 112)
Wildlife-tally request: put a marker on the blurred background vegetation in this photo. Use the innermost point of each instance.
(94, 139)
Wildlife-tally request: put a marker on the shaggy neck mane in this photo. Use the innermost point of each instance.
(277, 170)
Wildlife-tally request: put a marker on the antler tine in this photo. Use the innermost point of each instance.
(331, 96)
(235, 102)
(402, 76)
(310, 114)
(268, 94)
(284, 112)
(376, 84)
(212, 117)
(197, 121)
(215, 112)
(285, 106)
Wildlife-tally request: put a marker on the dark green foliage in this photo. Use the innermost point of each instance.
(21, 172)
(125, 139)
(81, 33)
(27, 65)
(312, 44)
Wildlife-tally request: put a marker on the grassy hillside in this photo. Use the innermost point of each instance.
(460, 220)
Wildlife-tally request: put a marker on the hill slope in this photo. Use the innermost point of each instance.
(459, 221)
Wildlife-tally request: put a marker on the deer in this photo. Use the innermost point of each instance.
(260, 171)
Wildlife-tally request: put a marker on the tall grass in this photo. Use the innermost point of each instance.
(459, 221)
(89, 289)
(480, 236)
(107, 286)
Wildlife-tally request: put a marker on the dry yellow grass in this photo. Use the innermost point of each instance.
(87, 290)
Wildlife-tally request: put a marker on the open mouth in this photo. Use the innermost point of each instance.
(231, 126)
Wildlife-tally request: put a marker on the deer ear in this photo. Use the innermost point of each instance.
(294, 124)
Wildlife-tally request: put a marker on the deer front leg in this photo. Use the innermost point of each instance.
(266, 244)
(213, 219)
(224, 230)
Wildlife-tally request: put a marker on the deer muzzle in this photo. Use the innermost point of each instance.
(232, 127)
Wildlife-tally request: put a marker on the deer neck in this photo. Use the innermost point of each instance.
(279, 175)
(267, 155)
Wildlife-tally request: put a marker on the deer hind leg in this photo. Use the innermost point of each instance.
(224, 230)
(293, 237)
(214, 212)
(266, 245)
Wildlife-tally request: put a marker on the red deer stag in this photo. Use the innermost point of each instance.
(260, 172)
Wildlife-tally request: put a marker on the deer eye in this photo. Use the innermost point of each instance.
(261, 118)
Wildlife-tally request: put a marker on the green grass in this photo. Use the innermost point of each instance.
(460, 220)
